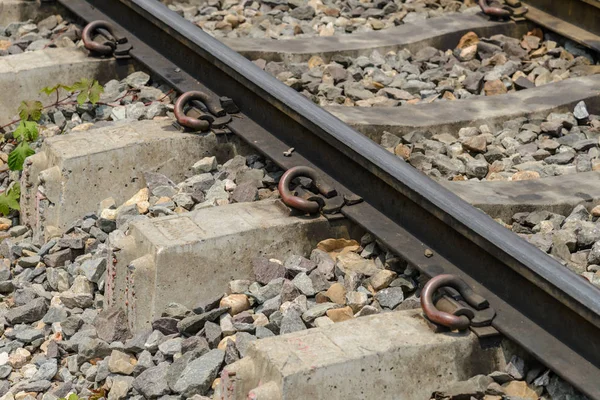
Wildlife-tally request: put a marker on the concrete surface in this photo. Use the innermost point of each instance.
(450, 116)
(190, 258)
(22, 10)
(24, 75)
(386, 356)
(558, 194)
(72, 173)
(441, 32)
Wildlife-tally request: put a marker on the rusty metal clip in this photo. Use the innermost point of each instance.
(202, 121)
(113, 45)
(497, 12)
(311, 205)
(452, 321)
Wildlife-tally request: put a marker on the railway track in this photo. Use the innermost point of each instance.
(414, 224)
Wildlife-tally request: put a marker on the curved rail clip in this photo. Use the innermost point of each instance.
(458, 304)
(114, 45)
(189, 112)
(311, 204)
(493, 11)
(453, 315)
(512, 9)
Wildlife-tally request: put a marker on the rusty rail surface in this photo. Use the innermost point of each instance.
(578, 20)
(539, 304)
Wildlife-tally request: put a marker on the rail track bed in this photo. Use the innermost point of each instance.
(334, 199)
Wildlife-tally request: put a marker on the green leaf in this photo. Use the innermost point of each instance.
(27, 130)
(73, 396)
(32, 131)
(17, 157)
(67, 88)
(82, 97)
(20, 132)
(4, 207)
(88, 91)
(30, 110)
(10, 199)
(14, 204)
(83, 84)
(14, 194)
(95, 91)
(49, 90)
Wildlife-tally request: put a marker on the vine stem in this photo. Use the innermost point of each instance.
(63, 30)
(43, 108)
(64, 102)
(170, 92)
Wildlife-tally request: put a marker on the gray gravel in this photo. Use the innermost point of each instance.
(57, 337)
(53, 31)
(573, 240)
(520, 380)
(283, 19)
(561, 144)
(240, 179)
(476, 67)
(87, 348)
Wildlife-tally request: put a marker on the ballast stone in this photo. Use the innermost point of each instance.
(190, 258)
(396, 350)
(73, 173)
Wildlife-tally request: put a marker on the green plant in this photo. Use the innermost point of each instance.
(9, 200)
(31, 111)
(88, 90)
(72, 396)
(25, 133)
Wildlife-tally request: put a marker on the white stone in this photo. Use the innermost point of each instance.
(207, 164)
(28, 371)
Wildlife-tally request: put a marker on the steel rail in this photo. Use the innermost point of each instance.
(540, 305)
(578, 20)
